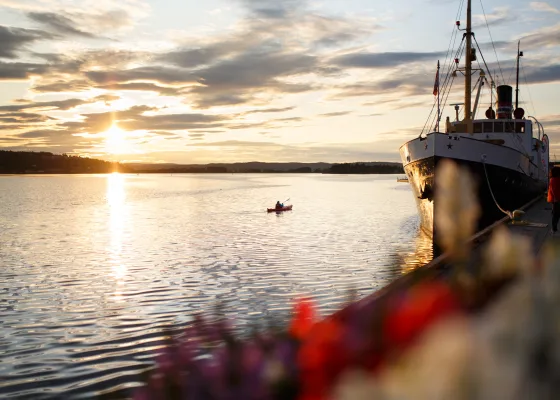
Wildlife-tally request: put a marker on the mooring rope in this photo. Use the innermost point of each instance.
(508, 213)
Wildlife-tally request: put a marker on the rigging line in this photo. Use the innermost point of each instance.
(453, 35)
(448, 75)
(447, 67)
(429, 116)
(450, 66)
(493, 93)
(445, 102)
(528, 90)
(508, 213)
(451, 39)
(446, 80)
(511, 73)
(492, 40)
(460, 10)
(485, 64)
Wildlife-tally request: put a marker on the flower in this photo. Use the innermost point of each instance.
(457, 213)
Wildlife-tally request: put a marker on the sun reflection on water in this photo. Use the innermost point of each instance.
(116, 199)
(421, 255)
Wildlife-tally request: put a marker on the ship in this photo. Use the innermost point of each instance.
(505, 151)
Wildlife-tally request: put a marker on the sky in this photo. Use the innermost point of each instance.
(187, 81)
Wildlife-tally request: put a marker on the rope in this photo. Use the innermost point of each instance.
(508, 213)
(492, 40)
(484, 60)
(427, 119)
(528, 90)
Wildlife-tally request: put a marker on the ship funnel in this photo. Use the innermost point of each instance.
(504, 104)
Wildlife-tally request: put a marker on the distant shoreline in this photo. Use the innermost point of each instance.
(195, 173)
(39, 163)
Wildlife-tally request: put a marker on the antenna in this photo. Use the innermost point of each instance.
(457, 109)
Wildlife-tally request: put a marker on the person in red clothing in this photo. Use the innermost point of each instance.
(554, 197)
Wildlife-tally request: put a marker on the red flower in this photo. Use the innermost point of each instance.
(304, 317)
(422, 305)
(321, 359)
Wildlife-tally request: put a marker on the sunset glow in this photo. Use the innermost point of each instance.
(245, 80)
(115, 141)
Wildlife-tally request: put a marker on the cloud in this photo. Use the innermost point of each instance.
(383, 60)
(57, 104)
(403, 83)
(59, 23)
(60, 141)
(544, 74)
(372, 115)
(164, 133)
(24, 117)
(134, 118)
(142, 87)
(239, 151)
(498, 16)
(77, 85)
(106, 98)
(274, 9)
(20, 70)
(335, 114)
(189, 58)
(13, 40)
(239, 79)
(545, 37)
(545, 7)
(154, 73)
(270, 110)
(237, 143)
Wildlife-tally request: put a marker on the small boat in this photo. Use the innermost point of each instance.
(285, 208)
(405, 179)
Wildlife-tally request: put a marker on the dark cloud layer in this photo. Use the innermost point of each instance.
(544, 74)
(13, 40)
(335, 114)
(58, 104)
(273, 9)
(161, 74)
(20, 71)
(383, 60)
(59, 23)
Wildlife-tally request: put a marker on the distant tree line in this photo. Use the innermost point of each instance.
(30, 162)
(364, 168)
(221, 170)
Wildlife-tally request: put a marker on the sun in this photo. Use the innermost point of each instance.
(115, 140)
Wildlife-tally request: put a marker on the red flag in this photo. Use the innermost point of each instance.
(436, 83)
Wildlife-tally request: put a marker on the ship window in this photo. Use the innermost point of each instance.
(498, 126)
(509, 126)
(488, 127)
(477, 128)
(520, 127)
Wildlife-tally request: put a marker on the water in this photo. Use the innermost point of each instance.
(93, 268)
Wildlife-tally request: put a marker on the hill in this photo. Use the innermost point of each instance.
(29, 162)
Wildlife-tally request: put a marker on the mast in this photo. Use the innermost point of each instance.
(438, 106)
(468, 70)
(519, 54)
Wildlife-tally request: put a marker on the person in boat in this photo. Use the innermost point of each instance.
(554, 197)
(279, 205)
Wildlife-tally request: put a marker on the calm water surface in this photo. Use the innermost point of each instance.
(93, 268)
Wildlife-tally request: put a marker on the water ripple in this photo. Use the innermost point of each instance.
(97, 276)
